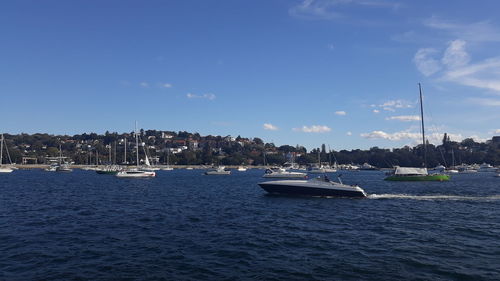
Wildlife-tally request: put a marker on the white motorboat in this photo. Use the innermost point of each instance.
(221, 170)
(137, 172)
(241, 169)
(4, 169)
(282, 173)
(320, 186)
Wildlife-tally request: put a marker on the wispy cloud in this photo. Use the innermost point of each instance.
(497, 131)
(485, 101)
(340, 113)
(313, 129)
(269, 126)
(376, 111)
(330, 9)
(144, 84)
(453, 64)
(204, 96)
(165, 85)
(349, 133)
(425, 63)
(404, 118)
(392, 105)
(482, 31)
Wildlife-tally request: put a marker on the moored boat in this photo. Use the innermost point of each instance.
(282, 173)
(415, 174)
(221, 170)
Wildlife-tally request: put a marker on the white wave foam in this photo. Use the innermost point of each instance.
(434, 197)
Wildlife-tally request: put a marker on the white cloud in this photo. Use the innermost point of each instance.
(340, 113)
(455, 55)
(144, 84)
(376, 111)
(497, 131)
(392, 105)
(485, 101)
(415, 137)
(328, 9)
(404, 118)
(349, 133)
(425, 63)
(204, 96)
(481, 31)
(269, 126)
(393, 137)
(313, 129)
(483, 75)
(166, 85)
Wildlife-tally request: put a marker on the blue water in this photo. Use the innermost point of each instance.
(182, 225)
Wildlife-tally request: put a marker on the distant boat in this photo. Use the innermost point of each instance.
(62, 167)
(486, 168)
(241, 169)
(4, 169)
(412, 173)
(221, 170)
(320, 186)
(282, 173)
(137, 172)
(108, 170)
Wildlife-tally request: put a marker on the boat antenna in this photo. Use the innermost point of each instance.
(423, 129)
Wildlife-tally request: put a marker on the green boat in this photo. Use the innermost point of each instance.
(417, 174)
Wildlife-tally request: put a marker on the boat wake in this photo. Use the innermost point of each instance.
(435, 197)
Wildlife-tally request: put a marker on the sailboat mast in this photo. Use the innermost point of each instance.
(136, 145)
(1, 150)
(125, 152)
(423, 128)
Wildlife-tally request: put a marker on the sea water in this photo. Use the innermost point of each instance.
(183, 225)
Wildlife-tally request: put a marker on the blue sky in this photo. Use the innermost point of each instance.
(340, 72)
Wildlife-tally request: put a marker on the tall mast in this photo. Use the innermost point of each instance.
(423, 128)
(136, 146)
(125, 152)
(1, 150)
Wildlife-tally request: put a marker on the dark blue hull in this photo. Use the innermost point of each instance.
(309, 191)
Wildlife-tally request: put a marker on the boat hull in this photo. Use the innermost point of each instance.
(436, 177)
(310, 191)
(141, 174)
(104, 172)
(6, 170)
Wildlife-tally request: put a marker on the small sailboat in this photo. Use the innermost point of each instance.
(62, 167)
(4, 169)
(168, 168)
(417, 174)
(137, 172)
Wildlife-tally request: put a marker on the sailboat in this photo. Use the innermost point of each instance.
(417, 174)
(136, 173)
(168, 168)
(4, 169)
(63, 167)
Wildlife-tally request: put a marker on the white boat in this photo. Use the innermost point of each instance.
(486, 168)
(4, 169)
(137, 172)
(316, 170)
(63, 168)
(221, 170)
(282, 173)
(320, 186)
(241, 169)
(52, 167)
